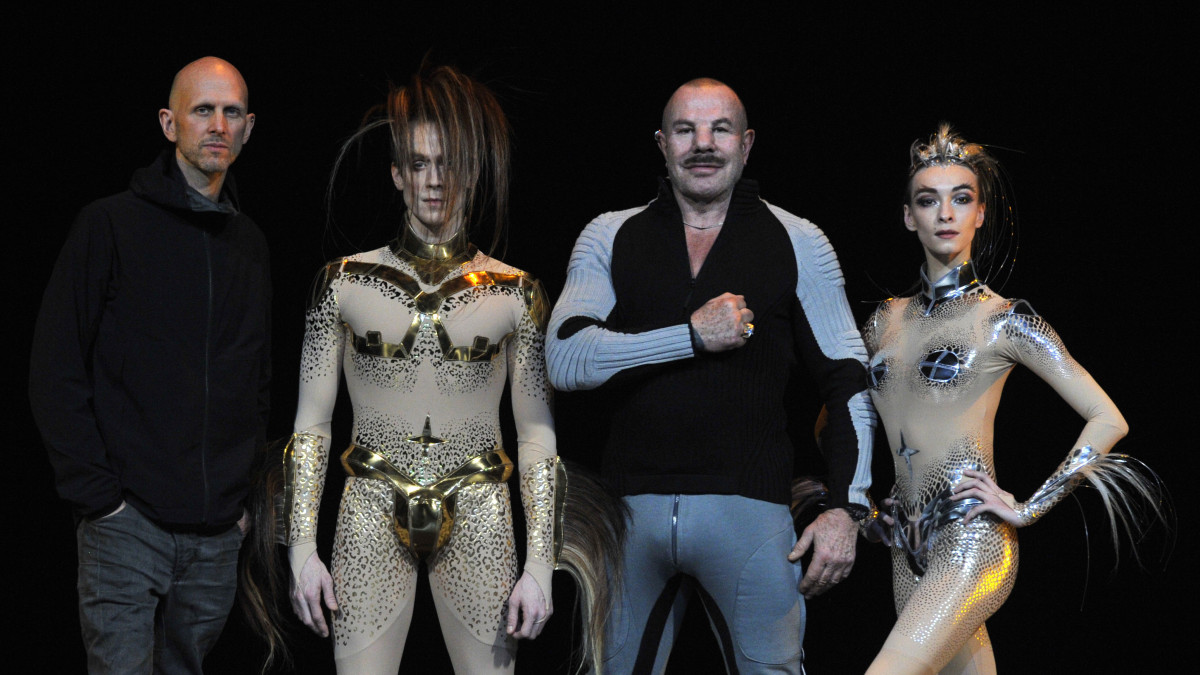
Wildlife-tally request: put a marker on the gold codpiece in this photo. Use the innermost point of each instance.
(423, 517)
(428, 307)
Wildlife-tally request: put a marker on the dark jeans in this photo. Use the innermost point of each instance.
(152, 600)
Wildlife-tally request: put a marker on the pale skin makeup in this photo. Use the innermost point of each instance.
(945, 211)
(423, 184)
(706, 144)
(208, 120)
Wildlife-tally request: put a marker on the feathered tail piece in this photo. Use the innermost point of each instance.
(262, 578)
(1132, 492)
(590, 531)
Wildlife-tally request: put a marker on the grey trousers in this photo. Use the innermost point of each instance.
(733, 551)
(152, 600)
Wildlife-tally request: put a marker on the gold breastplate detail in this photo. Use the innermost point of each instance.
(427, 307)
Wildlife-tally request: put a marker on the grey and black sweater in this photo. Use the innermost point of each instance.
(699, 423)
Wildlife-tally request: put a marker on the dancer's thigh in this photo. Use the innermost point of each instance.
(374, 578)
(471, 579)
(975, 657)
(970, 573)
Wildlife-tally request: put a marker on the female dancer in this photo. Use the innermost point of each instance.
(938, 363)
(427, 330)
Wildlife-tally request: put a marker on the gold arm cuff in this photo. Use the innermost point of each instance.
(539, 498)
(560, 510)
(304, 462)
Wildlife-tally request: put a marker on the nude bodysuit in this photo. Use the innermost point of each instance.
(427, 337)
(938, 363)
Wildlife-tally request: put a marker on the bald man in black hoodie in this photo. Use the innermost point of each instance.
(148, 381)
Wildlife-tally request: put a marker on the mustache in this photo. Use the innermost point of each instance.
(704, 160)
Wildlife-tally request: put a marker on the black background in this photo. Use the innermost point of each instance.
(1088, 110)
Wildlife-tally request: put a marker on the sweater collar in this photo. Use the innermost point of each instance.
(953, 284)
(744, 199)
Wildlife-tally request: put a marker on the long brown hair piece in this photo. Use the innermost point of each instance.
(475, 139)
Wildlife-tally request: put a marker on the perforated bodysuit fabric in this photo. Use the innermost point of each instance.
(426, 350)
(937, 368)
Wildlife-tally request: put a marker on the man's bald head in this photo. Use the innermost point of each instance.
(201, 70)
(700, 85)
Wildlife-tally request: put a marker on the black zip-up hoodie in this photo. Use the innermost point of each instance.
(151, 355)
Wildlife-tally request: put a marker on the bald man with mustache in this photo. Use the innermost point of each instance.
(691, 312)
(148, 381)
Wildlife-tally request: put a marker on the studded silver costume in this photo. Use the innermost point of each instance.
(938, 363)
(427, 337)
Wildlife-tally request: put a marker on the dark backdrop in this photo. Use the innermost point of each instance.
(1086, 109)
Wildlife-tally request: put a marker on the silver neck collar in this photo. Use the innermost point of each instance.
(953, 284)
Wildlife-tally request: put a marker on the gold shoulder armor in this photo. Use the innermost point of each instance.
(323, 280)
(536, 302)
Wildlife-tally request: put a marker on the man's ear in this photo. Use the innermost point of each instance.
(166, 120)
(249, 127)
(397, 178)
(747, 142)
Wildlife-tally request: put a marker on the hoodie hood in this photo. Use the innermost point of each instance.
(162, 183)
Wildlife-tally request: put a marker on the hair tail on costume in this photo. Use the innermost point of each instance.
(593, 524)
(260, 571)
(807, 493)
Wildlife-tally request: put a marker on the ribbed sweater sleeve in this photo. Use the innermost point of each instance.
(581, 351)
(833, 350)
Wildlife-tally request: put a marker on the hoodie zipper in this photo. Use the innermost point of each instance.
(207, 348)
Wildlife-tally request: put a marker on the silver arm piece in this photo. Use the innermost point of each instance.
(1132, 493)
(1059, 485)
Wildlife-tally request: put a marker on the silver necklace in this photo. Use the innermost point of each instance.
(697, 227)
